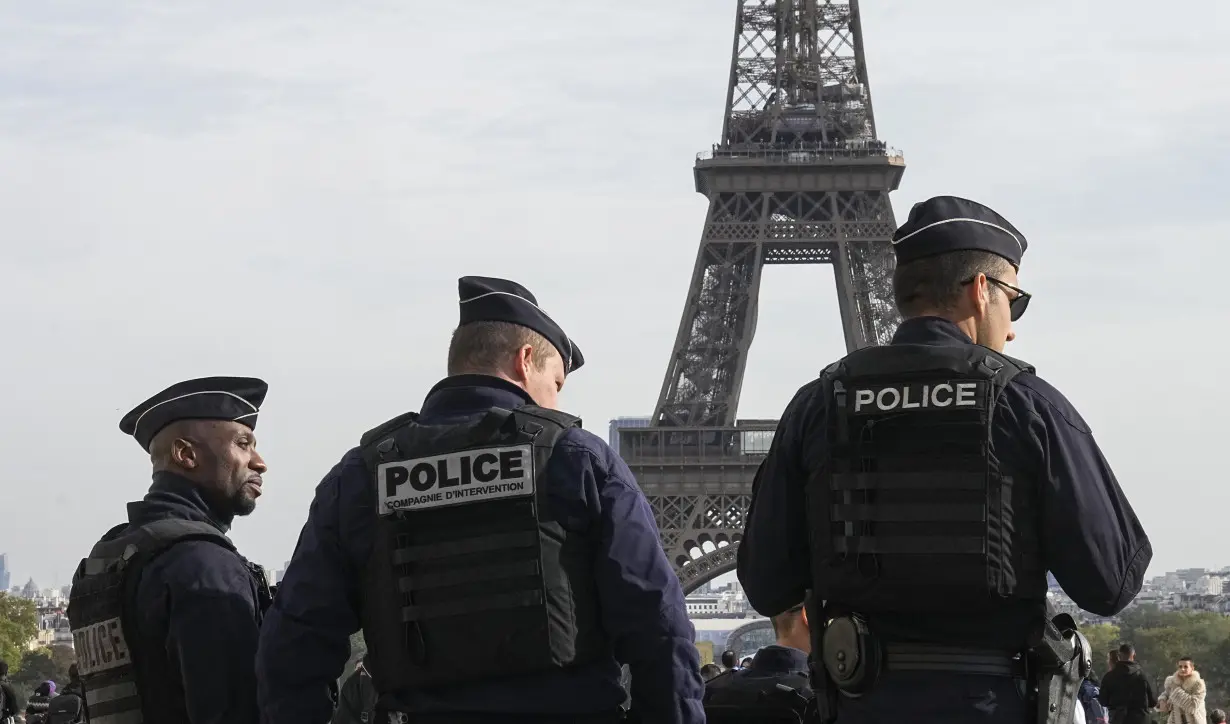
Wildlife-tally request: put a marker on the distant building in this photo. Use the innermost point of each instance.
(621, 423)
(5, 576)
(53, 630)
(717, 631)
(710, 601)
(1208, 584)
(1189, 576)
(701, 604)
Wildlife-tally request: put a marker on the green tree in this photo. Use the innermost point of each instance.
(18, 625)
(43, 664)
(37, 666)
(1103, 638)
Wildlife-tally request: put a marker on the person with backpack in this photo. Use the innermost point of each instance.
(774, 686)
(1127, 691)
(69, 706)
(36, 706)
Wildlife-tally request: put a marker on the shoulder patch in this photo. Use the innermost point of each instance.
(459, 478)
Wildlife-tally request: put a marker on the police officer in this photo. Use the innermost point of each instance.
(775, 687)
(499, 559)
(922, 490)
(164, 611)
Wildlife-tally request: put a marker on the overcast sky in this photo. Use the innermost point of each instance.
(290, 190)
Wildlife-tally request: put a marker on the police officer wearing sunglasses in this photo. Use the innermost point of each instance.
(918, 493)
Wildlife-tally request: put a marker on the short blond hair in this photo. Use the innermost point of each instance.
(484, 347)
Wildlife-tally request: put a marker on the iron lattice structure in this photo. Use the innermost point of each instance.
(799, 177)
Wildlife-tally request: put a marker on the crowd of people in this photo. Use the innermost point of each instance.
(46, 704)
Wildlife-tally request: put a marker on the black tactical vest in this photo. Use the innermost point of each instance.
(911, 509)
(736, 698)
(470, 578)
(104, 635)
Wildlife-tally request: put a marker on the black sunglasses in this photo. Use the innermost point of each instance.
(1018, 304)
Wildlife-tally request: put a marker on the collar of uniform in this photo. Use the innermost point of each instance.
(460, 394)
(173, 495)
(930, 330)
(774, 659)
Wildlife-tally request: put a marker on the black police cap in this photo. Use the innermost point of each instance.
(947, 223)
(487, 299)
(237, 399)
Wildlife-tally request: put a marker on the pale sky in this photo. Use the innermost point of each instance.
(290, 190)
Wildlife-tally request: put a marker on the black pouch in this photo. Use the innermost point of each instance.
(851, 655)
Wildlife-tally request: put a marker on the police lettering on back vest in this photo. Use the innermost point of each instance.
(470, 577)
(913, 508)
(102, 623)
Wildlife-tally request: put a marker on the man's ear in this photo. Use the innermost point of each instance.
(979, 294)
(523, 363)
(184, 454)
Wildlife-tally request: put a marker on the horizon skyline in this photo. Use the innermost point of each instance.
(717, 580)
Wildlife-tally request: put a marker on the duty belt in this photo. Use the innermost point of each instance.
(954, 659)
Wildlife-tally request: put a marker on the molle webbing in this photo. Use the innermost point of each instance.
(466, 581)
(477, 561)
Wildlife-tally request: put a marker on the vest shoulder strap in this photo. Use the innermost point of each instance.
(384, 428)
(379, 440)
(149, 540)
(1022, 364)
(1001, 369)
(555, 417)
(897, 359)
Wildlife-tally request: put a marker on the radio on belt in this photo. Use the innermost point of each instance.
(469, 476)
(919, 397)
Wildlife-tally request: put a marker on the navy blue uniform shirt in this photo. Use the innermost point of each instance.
(775, 660)
(304, 642)
(198, 613)
(1091, 539)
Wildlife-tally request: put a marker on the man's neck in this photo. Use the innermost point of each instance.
(965, 324)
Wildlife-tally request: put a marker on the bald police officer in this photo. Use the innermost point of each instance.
(922, 490)
(164, 611)
(499, 559)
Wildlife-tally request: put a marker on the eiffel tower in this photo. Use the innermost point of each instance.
(799, 177)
